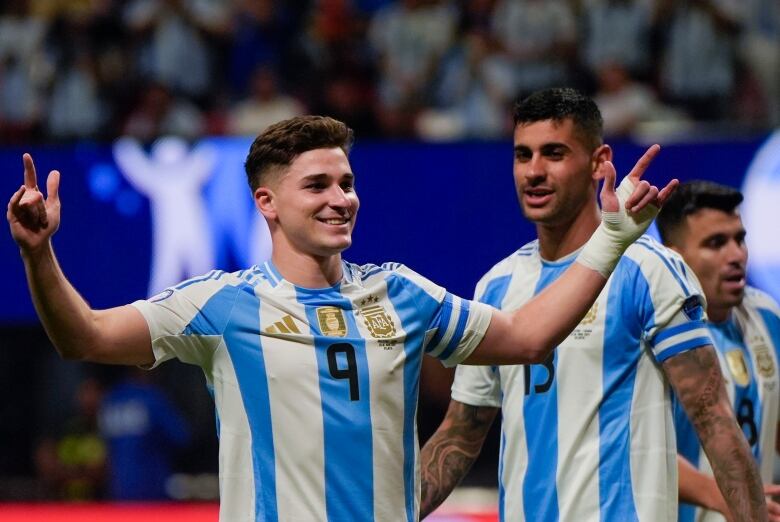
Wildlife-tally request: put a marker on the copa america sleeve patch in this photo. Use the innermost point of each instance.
(693, 309)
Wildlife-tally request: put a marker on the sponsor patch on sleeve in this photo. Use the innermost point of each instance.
(693, 309)
(162, 296)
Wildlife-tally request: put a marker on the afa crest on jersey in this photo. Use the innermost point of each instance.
(766, 366)
(378, 322)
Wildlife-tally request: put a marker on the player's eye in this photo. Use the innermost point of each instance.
(715, 242)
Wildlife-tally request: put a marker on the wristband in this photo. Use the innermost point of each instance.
(616, 232)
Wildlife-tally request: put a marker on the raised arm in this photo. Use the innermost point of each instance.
(530, 333)
(696, 378)
(118, 335)
(451, 451)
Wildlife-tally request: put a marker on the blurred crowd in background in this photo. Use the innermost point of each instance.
(430, 69)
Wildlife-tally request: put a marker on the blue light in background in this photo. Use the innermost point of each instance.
(104, 181)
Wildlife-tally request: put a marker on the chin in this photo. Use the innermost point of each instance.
(534, 214)
(335, 248)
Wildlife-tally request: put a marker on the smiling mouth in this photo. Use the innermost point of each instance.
(335, 221)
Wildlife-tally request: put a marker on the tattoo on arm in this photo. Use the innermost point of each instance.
(450, 452)
(697, 380)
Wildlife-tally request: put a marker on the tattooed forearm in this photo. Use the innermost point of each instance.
(698, 382)
(450, 452)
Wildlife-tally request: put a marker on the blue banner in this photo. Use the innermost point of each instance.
(136, 219)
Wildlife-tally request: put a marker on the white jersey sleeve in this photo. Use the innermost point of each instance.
(481, 385)
(671, 301)
(171, 316)
(455, 325)
(477, 386)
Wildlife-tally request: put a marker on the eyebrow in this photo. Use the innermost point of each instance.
(545, 148)
(322, 175)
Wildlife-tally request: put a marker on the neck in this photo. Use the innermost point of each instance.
(306, 270)
(557, 240)
(718, 314)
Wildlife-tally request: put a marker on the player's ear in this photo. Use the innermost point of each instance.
(265, 202)
(600, 155)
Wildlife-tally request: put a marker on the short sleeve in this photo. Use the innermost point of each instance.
(670, 299)
(454, 326)
(186, 322)
(477, 386)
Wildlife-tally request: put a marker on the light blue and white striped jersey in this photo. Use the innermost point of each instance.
(747, 345)
(588, 434)
(315, 390)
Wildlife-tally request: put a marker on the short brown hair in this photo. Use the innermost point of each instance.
(279, 145)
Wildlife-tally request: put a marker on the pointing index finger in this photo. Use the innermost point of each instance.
(644, 162)
(30, 179)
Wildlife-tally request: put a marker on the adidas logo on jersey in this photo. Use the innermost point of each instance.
(285, 326)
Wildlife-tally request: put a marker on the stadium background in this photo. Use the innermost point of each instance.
(435, 187)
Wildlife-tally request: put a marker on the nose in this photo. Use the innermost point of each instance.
(534, 169)
(737, 253)
(339, 198)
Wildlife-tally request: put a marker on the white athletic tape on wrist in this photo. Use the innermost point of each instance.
(616, 232)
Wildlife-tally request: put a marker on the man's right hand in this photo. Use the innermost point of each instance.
(33, 219)
(626, 214)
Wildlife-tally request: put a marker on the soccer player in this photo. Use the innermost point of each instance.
(314, 362)
(587, 434)
(701, 222)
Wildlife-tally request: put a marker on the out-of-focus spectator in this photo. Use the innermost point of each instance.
(85, 47)
(627, 104)
(409, 38)
(264, 106)
(158, 113)
(71, 464)
(617, 31)
(335, 73)
(143, 432)
(23, 72)
(760, 51)
(472, 96)
(538, 38)
(260, 36)
(698, 67)
(21, 35)
(173, 37)
(75, 108)
(371, 6)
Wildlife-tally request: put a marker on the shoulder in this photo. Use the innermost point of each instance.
(388, 273)
(649, 251)
(521, 259)
(370, 270)
(660, 265)
(203, 285)
(758, 299)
